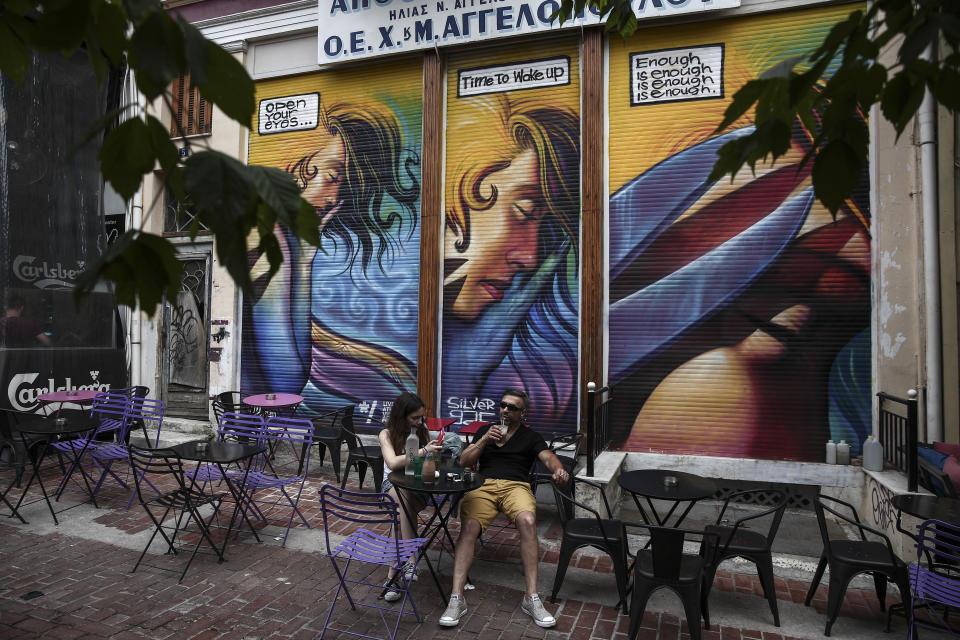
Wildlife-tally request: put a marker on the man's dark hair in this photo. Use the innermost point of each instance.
(520, 394)
(15, 301)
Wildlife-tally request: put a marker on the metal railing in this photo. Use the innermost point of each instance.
(598, 422)
(898, 433)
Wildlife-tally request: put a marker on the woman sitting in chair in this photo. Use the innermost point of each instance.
(407, 415)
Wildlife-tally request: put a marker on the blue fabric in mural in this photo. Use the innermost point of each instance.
(340, 334)
(850, 399)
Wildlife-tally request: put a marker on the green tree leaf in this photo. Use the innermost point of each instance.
(836, 173)
(110, 25)
(143, 268)
(14, 54)
(126, 155)
(156, 53)
(900, 100)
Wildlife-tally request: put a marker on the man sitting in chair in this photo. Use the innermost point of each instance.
(506, 453)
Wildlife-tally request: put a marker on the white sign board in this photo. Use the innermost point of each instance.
(355, 29)
(676, 75)
(289, 113)
(551, 72)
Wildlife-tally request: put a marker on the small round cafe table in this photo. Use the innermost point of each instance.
(75, 396)
(444, 493)
(668, 486)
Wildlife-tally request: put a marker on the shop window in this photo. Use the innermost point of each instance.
(192, 115)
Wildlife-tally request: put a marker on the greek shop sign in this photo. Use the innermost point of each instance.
(355, 29)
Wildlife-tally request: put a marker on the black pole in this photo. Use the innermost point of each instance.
(591, 426)
(912, 436)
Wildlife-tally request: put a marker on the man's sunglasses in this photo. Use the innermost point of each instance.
(511, 407)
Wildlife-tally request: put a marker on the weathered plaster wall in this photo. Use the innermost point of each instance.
(898, 336)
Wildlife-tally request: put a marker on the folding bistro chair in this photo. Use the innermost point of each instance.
(365, 547)
(141, 392)
(13, 441)
(112, 411)
(935, 584)
(299, 433)
(184, 501)
(233, 427)
(105, 455)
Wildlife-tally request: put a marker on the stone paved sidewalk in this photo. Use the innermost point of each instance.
(81, 571)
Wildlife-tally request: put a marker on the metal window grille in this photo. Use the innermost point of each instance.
(178, 217)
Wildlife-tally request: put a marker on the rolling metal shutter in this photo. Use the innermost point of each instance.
(338, 325)
(511, 241)
(739, 313)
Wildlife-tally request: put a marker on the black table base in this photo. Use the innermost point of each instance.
(442, 492)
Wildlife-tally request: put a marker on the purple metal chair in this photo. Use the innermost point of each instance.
(105, 455)
(111, 409)
(262, 476)
(367, 547)
(141, 412)
(935, 586)
(233, 427)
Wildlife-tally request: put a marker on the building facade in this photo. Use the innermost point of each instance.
(507, 204)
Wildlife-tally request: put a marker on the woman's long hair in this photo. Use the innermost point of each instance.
(397, 428)
(381, 184)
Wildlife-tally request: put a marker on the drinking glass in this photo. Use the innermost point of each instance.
(418, 467)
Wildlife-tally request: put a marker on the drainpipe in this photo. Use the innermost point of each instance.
(931, 260)
(136, 219)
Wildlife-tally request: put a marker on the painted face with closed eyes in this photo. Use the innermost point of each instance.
(324, 173)
(506, 236)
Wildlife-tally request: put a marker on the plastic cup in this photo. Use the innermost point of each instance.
(418, 467)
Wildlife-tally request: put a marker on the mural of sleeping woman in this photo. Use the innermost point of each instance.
(739, 311)
(338, 324)
(510, 256)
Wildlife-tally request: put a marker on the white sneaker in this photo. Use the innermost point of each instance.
(409, 571)
(455, 610)
(533, 607)
(390, 591)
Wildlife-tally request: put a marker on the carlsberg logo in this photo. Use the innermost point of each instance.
(44, 275)
(22, 393)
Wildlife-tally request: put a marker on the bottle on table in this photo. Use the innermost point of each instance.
(411, 449)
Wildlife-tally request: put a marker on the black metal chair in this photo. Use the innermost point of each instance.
(328, 435)
(606, 534)
(11, 439)
(566, 447)
(738, 541)
(138, 391)
(361, 455)
(662, 563)
(228, 402)
(848, 558)
(151, 467)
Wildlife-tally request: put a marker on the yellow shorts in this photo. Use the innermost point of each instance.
(510, 497)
